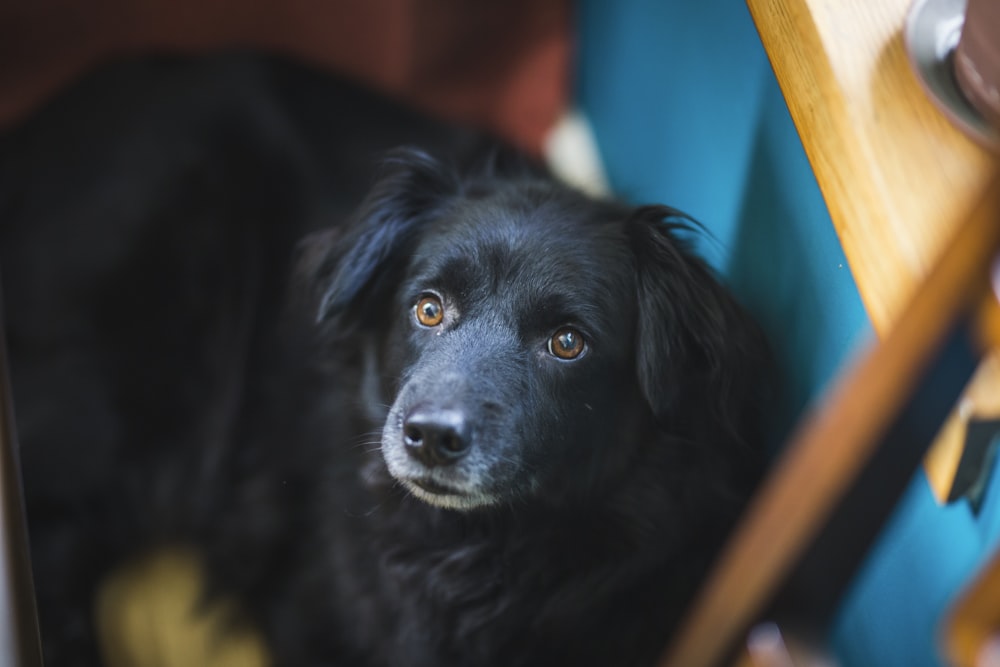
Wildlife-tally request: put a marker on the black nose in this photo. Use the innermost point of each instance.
(436, 436)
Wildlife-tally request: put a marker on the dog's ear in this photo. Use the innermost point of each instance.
(362, 258)
(696, 347)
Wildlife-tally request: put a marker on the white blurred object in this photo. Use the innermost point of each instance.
(571, 153)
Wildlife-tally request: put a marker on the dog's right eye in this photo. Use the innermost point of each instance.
(429, 311)
(567, 343)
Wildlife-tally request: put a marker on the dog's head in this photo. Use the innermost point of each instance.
(529, 339)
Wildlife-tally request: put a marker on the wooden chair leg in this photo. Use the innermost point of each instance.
(841, 475)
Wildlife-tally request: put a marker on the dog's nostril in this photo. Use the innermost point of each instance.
(412, 435)
(435, 436)
(451, 443)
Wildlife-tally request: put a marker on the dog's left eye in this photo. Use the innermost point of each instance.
(429, 311)
(566, 343)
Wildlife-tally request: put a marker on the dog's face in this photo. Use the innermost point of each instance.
(526, 337)
(512, 341)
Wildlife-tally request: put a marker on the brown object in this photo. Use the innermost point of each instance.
(500, 65)
(977, 58)
(973, 625)
(833, 445)
(896, 174)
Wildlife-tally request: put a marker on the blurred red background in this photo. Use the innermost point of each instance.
(501, 65)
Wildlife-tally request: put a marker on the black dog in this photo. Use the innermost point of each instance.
(485, 421)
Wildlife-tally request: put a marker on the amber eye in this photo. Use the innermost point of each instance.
(566, 343)
(429, 311)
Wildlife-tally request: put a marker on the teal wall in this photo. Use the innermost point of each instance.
(687, 112)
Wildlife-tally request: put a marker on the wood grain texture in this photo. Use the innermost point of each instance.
(895, 173)
(834, 444)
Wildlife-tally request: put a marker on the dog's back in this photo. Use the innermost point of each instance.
(149, 222)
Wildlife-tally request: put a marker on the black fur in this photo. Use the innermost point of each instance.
(185, 370)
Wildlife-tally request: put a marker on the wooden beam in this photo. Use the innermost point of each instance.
(834, 444)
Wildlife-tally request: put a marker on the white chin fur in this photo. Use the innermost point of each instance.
(449, 501)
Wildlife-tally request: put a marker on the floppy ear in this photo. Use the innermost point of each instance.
(697, 349)
(362, 259)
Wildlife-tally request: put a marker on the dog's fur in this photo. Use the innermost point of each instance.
(179, 377)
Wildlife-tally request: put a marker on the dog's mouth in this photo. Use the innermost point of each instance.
(442, 495)
(430, 486)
